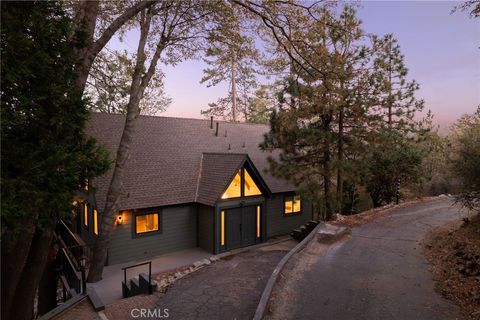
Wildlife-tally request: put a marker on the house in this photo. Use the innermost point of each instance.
(189, 183)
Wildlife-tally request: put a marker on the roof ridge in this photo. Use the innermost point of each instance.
(183, 118)
(227, 153)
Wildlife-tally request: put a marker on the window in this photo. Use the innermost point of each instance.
(258, 221)
(293, 204)
(251, 188)
(222, 228)
(95, 221)
(146, 223)
(242, 185)
(234, 189)
(85, 214)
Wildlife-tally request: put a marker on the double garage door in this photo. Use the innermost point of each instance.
(242, 226)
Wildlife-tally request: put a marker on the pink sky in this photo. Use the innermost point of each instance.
(441, 51)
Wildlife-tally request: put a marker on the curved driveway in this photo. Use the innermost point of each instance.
(379, 272)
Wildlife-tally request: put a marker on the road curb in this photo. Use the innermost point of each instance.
(262, 304)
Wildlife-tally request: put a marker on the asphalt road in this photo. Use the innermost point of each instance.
(379, 272)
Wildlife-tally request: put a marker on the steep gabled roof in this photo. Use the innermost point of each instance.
(165, 161)
(216, 172)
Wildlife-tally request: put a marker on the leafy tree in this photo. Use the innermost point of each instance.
(465, 158)
(171, 30)
(472, 6)
(109, 83)
(392, 160)
(45, 155)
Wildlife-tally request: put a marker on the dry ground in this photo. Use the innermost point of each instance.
(454, 252)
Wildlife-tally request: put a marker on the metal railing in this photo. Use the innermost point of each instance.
(124, 284)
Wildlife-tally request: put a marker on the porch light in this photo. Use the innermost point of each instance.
(119, 219)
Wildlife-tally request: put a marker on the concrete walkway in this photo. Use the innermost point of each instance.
(109, 289)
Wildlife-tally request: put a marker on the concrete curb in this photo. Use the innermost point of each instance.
(262, 304)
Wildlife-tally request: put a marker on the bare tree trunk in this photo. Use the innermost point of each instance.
(327, 185)
(22, 304)
(15, 249)
(47, 289)
(340, 162)
(234, 89)
(112, 204)
(85, 20)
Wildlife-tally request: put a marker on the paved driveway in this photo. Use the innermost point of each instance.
(227, 289)
(379, 272)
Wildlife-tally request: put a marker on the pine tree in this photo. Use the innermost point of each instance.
(231, 57)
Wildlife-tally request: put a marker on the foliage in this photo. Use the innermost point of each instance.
(108, 85)
(45, 155)
(260, 105)
(472, 6)
(231, 56)
(391, 160)
(465, 158)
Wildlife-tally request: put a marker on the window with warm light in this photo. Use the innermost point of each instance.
(85, 214)
(146, 223)
(258, 221)
(250, 188)
(95, 221)
(242, 185)
(222, 228)
(234, 189)
(293, 204)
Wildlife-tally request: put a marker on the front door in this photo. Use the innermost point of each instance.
(233, 232)
(241, 226)
(249, 225)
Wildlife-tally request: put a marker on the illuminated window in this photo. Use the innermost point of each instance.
(258, 221)
(222, 228)
(251, 188)
(234, 189)
(85, 214)
(146, 223)
(293, 204)
(95, 221)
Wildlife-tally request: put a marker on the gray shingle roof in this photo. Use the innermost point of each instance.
(165, 161)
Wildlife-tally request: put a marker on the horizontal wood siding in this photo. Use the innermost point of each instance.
(278, 223)
(179, 232)
(205, 227)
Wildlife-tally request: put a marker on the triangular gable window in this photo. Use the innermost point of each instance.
(242, 185)
(251, 188)
(234, 189)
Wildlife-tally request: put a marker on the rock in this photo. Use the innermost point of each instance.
(198, 264)
(206, 261)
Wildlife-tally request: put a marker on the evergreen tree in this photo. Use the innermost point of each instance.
(396, 101)
(316, 106)
(231, 56)
(45, 155)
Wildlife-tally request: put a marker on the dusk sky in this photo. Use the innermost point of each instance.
(441, 52)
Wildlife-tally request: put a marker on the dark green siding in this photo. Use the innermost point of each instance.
(179, 232)
(278, 223)
(205, 227)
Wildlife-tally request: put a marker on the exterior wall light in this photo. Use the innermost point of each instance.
(119, 219)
